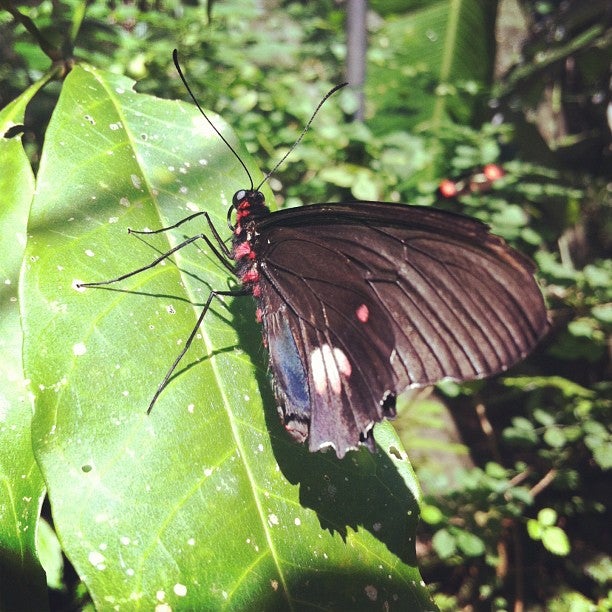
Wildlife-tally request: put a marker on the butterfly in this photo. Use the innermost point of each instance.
(360, 301)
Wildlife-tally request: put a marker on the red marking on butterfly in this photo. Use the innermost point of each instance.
(363, 314)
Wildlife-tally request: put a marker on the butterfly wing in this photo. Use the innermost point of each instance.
(362, 300)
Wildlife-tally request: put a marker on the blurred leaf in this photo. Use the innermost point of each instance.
(534, 529)
(602, 453)
(494, 470)
(555, 437)
(431, 514)
(547, 517)
(425, 63)
(555, 540)
(543, 417)
(50, 553)
(444, 544)
(22, 487)
(470, 543)
(603, 313)
(566, 386)
(600, 568)
(206, 503)
(522, 431)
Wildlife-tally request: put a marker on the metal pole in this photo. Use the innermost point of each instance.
(356, 43)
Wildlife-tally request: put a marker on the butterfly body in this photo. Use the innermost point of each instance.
(362, 300)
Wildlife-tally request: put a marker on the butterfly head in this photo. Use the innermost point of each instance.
(249, 204)
(248, 199)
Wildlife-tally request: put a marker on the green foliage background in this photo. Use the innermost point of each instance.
(206, 504)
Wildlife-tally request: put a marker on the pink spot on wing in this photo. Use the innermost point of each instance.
(363, 313)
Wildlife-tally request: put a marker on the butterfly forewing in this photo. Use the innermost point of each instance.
(371, 298)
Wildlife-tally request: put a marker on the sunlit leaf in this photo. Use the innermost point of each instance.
(427, 60)
(556, 541)
(21, 483)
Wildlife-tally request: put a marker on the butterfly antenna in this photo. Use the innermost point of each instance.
(330, 93)
(212, 125)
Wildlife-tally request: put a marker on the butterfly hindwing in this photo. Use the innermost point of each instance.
(336, 331)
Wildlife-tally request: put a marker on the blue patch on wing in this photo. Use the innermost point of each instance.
(290, 376)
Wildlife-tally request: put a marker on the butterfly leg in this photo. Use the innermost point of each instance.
(213, 294)
(222, 246)
(161, 258)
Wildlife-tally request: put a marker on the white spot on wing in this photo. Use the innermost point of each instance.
(328, 365)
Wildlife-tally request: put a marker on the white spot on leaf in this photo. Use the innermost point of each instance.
(79, 349)
(97, 559)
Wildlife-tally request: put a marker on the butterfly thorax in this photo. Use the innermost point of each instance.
(250, 207)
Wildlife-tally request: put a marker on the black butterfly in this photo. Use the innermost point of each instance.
(362, 300)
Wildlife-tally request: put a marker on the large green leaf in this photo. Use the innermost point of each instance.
(426, 64)
(204, 504)
(21, 484)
